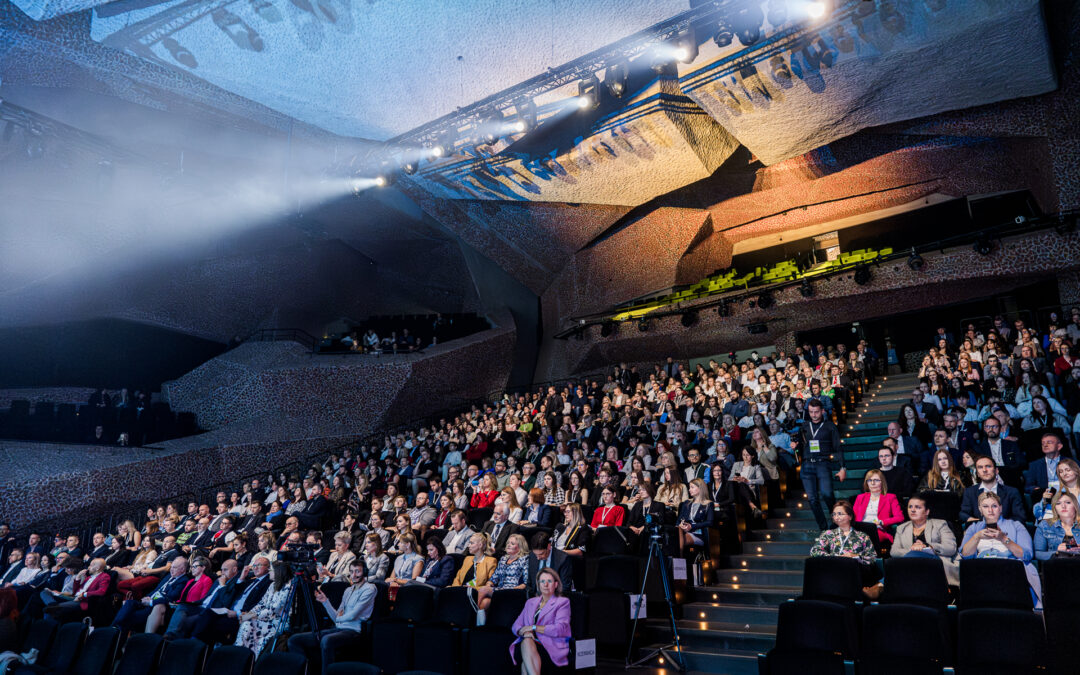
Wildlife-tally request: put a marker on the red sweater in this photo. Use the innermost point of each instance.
(483, 499)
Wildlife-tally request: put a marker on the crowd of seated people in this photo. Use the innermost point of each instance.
(404, 334)
(987, 439)
(522, 487)
(496, 498)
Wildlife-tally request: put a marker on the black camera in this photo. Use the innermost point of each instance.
(299, 554)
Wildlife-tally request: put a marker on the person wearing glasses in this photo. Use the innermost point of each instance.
(875, 505)
(543, 627)
(194, 591)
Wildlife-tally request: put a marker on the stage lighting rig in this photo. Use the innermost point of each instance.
(615, 78)
(723, 35)
(862, 275)
(984, 245)
(915, 261)
(806, 289)
(747, 22)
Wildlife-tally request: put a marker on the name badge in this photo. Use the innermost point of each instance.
(815, 446)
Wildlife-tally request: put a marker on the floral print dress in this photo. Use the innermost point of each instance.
(257, 633)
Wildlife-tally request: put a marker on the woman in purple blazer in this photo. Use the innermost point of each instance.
(543, 627)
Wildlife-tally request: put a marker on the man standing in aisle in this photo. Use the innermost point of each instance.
(818, 443)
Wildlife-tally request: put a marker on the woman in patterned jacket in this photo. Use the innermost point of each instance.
(846, 542)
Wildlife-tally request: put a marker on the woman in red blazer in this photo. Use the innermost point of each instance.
(875, 505)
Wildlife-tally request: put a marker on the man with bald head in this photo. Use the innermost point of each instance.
(134, 612)
(92, 582)
(221, 595)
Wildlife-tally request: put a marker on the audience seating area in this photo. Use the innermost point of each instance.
(718, 457)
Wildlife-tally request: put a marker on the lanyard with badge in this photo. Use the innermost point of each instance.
(812, 442)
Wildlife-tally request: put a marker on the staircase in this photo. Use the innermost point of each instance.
(726, 625)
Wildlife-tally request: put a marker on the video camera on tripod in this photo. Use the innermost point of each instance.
(301, 557)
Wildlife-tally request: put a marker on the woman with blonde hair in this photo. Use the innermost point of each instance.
(695, 515)
(1068, 474)
(512, 571)
(408, 563)
(479, 565)
(572, 536)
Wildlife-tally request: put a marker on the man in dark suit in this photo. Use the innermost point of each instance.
(897, 479)
(499, 529)
(311, 515)
(101, 549)
(34, 544)
(134, 613)
(1042, 473)
(908, 447)
(1012, 505)
(220, 596)
(212, 627)
(544, 554)
(202, 539)
(14, 566)
(255, 519)
(1006, 454)
(960, 438)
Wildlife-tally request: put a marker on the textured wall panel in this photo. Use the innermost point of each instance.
(803, 86)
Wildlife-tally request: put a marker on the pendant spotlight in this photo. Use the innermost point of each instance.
(984, 245)
(765, 300)
(615, 78)
(607, 328)
(862, 275)
(588, 93)
(723, 309)
(747, 22)
(806, 289)
(689, 319)
(723, 35)
(643, 325)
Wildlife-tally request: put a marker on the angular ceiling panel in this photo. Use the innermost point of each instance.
(868, 64)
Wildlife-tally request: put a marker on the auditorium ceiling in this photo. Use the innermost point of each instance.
(875, 105)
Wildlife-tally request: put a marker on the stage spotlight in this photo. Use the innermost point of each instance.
(382, 181)
(525, 111)
(615, 78)
(607, 328)
(689, 319)
(984, 245)
(747, 22)
(643, 325)
(437, 151)
(516, 127)
(806, 289)
(765, 300)
(409, 168)
(816, 9)
(915, 261)
(588, 93)
(777, 12)
(862, 275)
(723, 309)
(723, 35)
(686, 47)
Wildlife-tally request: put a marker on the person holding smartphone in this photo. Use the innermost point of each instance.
(997, 537)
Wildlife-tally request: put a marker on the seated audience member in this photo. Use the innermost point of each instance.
(214, 627)
(194, 591)
(926, 537)
(265, 620)
(995, 536)
(92, 582)
(544, 556)
(967, 466)
(721, 493)
(898, 478)
(695, 516)
(508, 497)
(1068, 480)
(536, 512)
(487, 493)
(337, 565)
(553, 492)
(457, 537)
(1005, 453)
(221, 594)
(672, 491)
(1057, 534)
(100, 546)
(943, 476)
(846, 542)
(1012, 506)
(499, 529)
(355, 607)
(134, 613)
(478, 565)
(573, 534)
(438, 568)
(9, 615)
(747, 477)
(543, 627)
(512, 571)
(908, 448)
(940, 444)
(1042, 473)
(408, 563)
(875, 505)
(609, 513)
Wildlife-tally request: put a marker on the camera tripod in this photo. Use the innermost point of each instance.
(675, 658)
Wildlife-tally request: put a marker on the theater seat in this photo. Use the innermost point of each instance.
(98, 652)
(183, 657)
(62, 652)
(230, 660)
(890, 631)
(916, 581)
(1061, 610)
(142, 655)
(487, 647)
(438, 640)
(1000, 642)
(40, 636)
(812, 636)
(994, 583)
(832, 579)
(280, 663)
(392, 637)
(352, 668)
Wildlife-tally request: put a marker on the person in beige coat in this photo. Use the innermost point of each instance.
(927, 537)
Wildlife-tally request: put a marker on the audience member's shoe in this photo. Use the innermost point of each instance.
(873, 592)
(481, 617)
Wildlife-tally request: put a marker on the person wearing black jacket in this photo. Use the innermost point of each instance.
(721, 492)
(818, 442)
(212, 627)
(544, 554)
